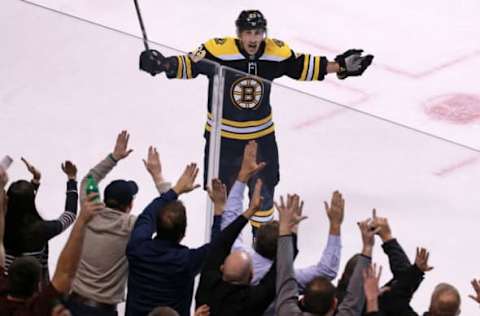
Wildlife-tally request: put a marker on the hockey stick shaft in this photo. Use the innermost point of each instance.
(142, 26)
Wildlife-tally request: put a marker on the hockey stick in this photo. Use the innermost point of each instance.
(140, 20)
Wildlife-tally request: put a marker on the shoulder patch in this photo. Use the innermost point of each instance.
(219, 41)
(278, 43)
(276, 50)
(198, 54)
(223, 48)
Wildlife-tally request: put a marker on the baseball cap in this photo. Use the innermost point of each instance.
(120, 192)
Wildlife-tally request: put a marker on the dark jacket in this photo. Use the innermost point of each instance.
(406, 280)
(229, 299)
(161, 272)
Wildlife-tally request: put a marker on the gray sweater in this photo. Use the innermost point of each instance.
(103, 270)
(287, 288)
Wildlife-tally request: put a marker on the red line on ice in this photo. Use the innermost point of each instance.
(459, 165)
(322, 117)
(398, 71)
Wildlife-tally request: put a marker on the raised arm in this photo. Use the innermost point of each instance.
(36, 174)
(100, 171)
(354, 300)
(70, 256)
(397, 298)
(234, 204)
(329, 263)
(286, 285)
(396, 255)
(145, 226)
(220, 248)
(154, 168)
(55, 227)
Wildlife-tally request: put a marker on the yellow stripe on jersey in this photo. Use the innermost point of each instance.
(247, 136)
(258, 221)
(317, 68)
(189, 67)
(243, 124)
(179, 68)
(255, 224)
(264, 213)
(306, 63)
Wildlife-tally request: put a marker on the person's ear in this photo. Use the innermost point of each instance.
(221, 268)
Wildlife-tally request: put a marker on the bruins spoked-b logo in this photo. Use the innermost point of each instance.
(247, 93)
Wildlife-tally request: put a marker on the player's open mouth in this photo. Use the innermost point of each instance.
(252, 46)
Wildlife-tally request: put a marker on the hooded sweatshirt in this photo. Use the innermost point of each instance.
(103, 270)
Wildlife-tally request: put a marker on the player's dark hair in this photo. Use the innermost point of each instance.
(319, 296)
(172, 221)
(23, 277)
(22, 216)
(266, 240)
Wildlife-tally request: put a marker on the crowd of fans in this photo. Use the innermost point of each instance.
(111, 255)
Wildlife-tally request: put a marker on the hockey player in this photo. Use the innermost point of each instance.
(246, 101)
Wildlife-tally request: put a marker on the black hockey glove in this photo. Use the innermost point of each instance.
(151, 61)
(352, 63)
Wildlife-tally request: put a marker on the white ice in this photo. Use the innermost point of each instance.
(67, 87)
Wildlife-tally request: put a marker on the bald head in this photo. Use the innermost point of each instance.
(445, 301)
(237, 268)
(163, 311)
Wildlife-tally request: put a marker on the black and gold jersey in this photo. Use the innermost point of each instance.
(246, 101)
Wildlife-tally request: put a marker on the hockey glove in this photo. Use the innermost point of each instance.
(352, 63)
(151, 62)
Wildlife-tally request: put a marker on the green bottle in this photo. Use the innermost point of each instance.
(92, 187)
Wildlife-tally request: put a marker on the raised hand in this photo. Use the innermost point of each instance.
(90, 207)
(121, 150)
(368, 236)
(203, 310)
(335, 212)
(70, 170)
(421, 260)
(218, 194)
(371, 280)
(476, 286)
(34, 171)
(186, 183)
(249, 163)
(290, 215)
(385, 231)
(255, 200)
(153, 164)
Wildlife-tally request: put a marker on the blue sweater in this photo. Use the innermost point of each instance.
(161, 272)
